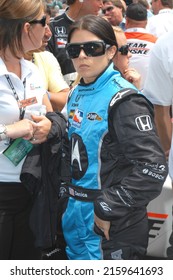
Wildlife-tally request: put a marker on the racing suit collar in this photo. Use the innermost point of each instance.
(99, 82)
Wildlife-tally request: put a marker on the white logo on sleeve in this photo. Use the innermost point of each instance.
(105, 206)
(118, 96)
(144, 123)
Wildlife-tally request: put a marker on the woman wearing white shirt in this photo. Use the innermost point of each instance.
(22, 27)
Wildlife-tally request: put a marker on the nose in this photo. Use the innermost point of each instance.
(101, 4)
(82, 53)
(48, 32)
(129, 55)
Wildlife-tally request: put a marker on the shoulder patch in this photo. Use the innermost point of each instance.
(121, 94)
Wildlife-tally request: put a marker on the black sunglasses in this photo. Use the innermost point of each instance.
(124, 49)
(91, 48)
(108, 9)
(41, 21)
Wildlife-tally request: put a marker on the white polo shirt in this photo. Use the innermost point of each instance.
(9, 110)
(158, 86)
(160, 23)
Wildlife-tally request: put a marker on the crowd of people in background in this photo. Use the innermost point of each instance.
(94, 66)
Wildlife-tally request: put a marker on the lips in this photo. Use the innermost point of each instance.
(83, 66)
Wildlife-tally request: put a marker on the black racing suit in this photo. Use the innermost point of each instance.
(126, 192)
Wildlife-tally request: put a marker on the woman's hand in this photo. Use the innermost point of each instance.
(24, 128)
(133, 76)
(43, 126)
(103, 226)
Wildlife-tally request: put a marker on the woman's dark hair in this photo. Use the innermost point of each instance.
(96, 25)
(70, 2)
(48, 10)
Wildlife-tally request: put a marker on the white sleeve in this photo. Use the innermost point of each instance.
(158, 87)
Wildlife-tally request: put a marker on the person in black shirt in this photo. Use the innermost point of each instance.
(60, 27)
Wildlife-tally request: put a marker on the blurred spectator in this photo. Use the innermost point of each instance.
(139, 40)
(56, 7)
(54, 11)
(147, 5)
(121, 59)
(53, 3)
(158, 89)
(163, 19)
(114, 12)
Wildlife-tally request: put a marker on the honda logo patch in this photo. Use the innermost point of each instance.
(60, 30)
(144, 123)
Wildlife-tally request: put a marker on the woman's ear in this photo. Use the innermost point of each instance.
(27, 27)
(112, 51)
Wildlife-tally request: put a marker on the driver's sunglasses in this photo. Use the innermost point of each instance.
(108, 9)
(124, 49)
(91, 48)
(41, 21)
